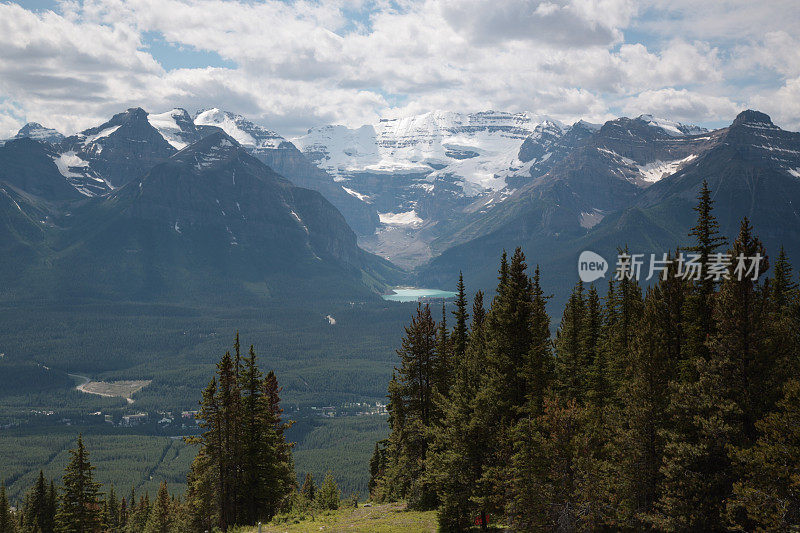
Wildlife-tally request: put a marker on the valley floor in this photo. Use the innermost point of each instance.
(383, 518)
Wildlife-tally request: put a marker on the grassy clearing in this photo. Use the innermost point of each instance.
(123, 389)
(384, 518)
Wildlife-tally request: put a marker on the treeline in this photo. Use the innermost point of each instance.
(243, 472)
(79, 507)
(676, 409)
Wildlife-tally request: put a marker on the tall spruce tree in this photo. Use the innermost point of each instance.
(79, 510)
(718, 409)
(572, 365)
(111, 511)
(7, 524)
(767, 497)
(243, 470)
(459, 443)
(309, 491)
(460, 334)
(163, 516)
(412, 408)
(37, 510)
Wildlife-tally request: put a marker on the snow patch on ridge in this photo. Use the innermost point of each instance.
(655, 170)
(167, 126)
(101, 134)
(409, 218)
(351, 192)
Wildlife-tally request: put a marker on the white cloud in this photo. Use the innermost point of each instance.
(783, 104)
(682, 105)
(300, 64)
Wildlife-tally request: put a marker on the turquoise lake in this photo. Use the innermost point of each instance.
(409, 294)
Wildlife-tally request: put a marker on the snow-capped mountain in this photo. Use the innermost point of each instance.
(248, 134)
(475, 149)
(37, 132)
(423, 171)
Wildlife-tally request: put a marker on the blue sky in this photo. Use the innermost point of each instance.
(295, 65)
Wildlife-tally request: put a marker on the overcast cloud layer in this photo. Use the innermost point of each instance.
(295, 65)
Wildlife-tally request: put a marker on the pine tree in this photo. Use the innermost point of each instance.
(329, 496)
(377, 471)
(412, 412)
(460, 330)
(537, 371)
(280, 476)
(571, 363)
(505, 391)
(639, 431)
(782, 325)
(443, 368)
(111, 511)
(52, 507)
(256, 438)
(546, 472)
(717, 409)
(458, 447)
(7, 524)
(37, 510)
(309, 490)
(162, 517)
(79, 511)
(699, 302)
(201, 500)
(767, 498)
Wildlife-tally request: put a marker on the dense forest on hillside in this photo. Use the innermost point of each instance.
(672, 408)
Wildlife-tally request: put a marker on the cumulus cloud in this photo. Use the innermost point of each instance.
(295, 65)
(571, 23)
(682, 105)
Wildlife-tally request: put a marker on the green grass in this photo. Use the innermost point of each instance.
(384, 518)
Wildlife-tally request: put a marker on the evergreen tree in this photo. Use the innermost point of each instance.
(707, 242)
(309, 490)
(280, 477)
(7, 524)
(201, 501)
(767, 498)
(37, 517)
(52, 507)
(537, 371)
(443, 369)
(572, 365)
(329, 496)
(460, 330)
(257, 439)
(719, 408)
(458, 447)
(79, 511)
(639, 431)
(111, 511)
(162, 517)
(412, 408)
(377, 471)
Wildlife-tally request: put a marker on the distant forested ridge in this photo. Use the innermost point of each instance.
(674, 408)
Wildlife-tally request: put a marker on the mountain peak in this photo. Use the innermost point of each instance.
(34, 130)
(212, 150)
(671, 127)
(245, 132)
(752, 117)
